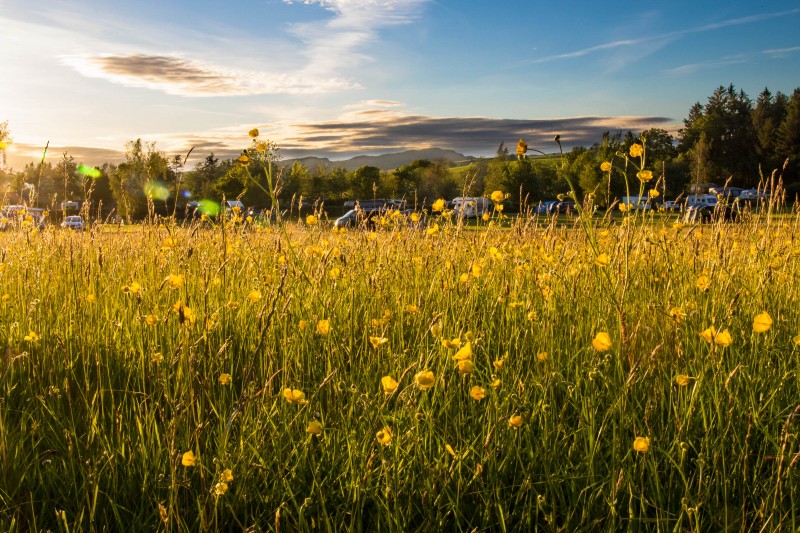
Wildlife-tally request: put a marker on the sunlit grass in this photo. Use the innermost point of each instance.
(263, 353)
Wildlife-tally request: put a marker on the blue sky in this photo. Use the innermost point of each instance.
(339, 78)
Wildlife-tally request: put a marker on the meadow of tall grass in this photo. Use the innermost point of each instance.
(614, 374)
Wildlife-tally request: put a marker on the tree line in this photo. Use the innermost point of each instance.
(730, 138)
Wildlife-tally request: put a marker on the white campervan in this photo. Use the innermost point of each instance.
(471, 207)
(701, 200)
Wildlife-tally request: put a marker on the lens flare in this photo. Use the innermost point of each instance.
(156, 190)
(209, 207)
(89, 172)
(186, 194)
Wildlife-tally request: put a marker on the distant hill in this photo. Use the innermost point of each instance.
(385, 161)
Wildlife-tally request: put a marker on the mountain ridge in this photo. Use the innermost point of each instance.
(389, 161)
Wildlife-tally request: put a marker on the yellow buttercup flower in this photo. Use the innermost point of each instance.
(541, 357)
(324, 327)
(151, 320)
(425, 379)
(226, 476)
(220, 489)
(465, 366)
(175, 281)
(438, 206)
(295, 396)
(677, 314)
(477, 393)
(384, 436)
(254, 295)
(464, 353)
(436, 330)
(602, 260)
(644, 175)
(497, 197)
(516, 421)
(188, 459)
(682, 380)
(723, 338)
(314, 428)
(605, 166)
(762, 322)
(253, 133)
(225, 379)
(378, 341)
(90, 298)
(134, 288)
(388, 384)
(32, 336)
(653, 193)
(432, 230)
(636, 150)
(708, 334)
(311, 220)
(641, 444)
(703, 283)
(601, 342)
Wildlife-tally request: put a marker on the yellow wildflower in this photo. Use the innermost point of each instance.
(477, 393)
(378, 341)
(601, 342)
(174, 281)
(188, 459)
(311, 220)
(388, 384)
(516, 421)
(682, 380)
(438, 205)
(465, 366)
(425, 379)
(605, 166)
(497, 197)
(636, 150)
(464, 353)
(294, 396)
(254, 295)
(762, 322)
(644, 175)
(641, 444)
(384, 436)
(225, 379)
(314, 428)
(324, 327)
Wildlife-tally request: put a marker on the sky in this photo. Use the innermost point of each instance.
(339, 78)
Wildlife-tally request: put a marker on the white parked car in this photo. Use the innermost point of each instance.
(73, 222)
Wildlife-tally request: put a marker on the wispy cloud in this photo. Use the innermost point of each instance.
(665, 38)
(691, 68)
(341, 41)
(185, 77)
(778, 52)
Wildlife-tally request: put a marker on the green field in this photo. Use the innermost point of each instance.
(536, 376)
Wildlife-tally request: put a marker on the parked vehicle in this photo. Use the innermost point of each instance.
(753, 194)
(472, 207)
(701, 200)
(73, 222)
(642, 203)
(544, 207)
(672, 205)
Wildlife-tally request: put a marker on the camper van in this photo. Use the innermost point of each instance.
(471, 207)
(701, 200)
